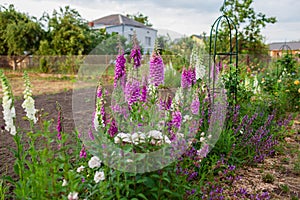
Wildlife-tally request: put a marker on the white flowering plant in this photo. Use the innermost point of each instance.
(9, 112)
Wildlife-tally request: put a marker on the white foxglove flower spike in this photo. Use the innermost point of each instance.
(9, 112)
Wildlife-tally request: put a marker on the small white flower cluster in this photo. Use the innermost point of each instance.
(9, 112)
(186, 118)
(73, 196)
(155, 137)
(203, 139)
(28, 103)
(94, 162)
(80, 169)
(99, 176)
(65, 183)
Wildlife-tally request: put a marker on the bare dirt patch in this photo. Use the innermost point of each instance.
(42, 83)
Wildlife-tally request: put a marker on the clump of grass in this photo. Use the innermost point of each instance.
(297, 165)
(3, 190)
(284, 188)
(268, 178)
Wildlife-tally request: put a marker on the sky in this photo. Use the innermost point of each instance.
(179, 17)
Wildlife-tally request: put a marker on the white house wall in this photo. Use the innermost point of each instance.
(141, 33)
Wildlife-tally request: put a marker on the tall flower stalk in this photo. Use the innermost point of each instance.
(135, 53)
(132, 92)
(99, 114)
(120, 69)
(28, 103)
(156, 69)
(59, 121)
(187, 78)
(9, 112)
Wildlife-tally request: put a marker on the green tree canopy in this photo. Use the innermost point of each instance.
(19, 33)
(67, 34)
(139, 17)
(249, 24)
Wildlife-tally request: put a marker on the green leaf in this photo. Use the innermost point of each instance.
(142, 196)
(167, 191)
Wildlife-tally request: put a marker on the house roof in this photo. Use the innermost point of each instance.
(284, 45)
(118, 19)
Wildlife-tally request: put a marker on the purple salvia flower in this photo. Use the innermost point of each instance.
(156, 70)
(204, 151)
(113, 129)
(120, 69)
(236, 113)
(192, 176)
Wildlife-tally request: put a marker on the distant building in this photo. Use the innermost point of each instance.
(125, 26)
(278, 48)
(198, 39)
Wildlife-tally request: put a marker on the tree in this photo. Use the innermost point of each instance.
(67, 34)
(248, 23)
(139, 17)
(19, 33)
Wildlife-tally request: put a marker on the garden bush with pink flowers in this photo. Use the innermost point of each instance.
(202, 143)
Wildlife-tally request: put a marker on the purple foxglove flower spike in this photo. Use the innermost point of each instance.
(132, 92)
(156, 70)
(113, 129)
(144, 93)
(59, 126)
(192, 71)
(176, 119)
(135, 53)
(120, 69)
(82, 153)
(195, 106)
(186, 78)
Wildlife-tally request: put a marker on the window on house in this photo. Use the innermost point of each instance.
(148, 41)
